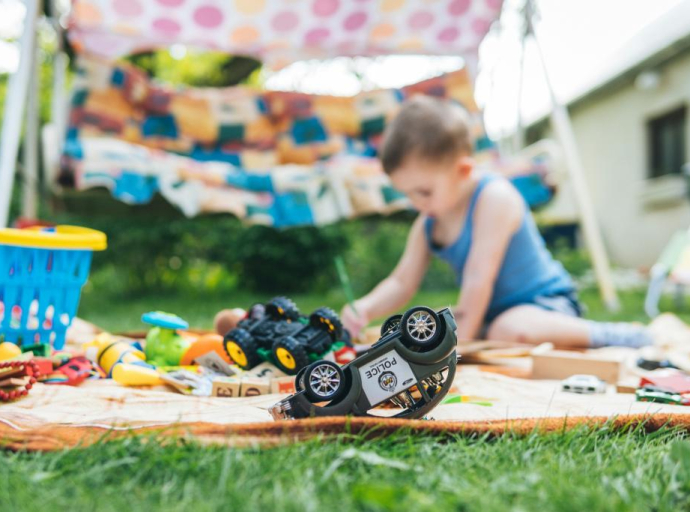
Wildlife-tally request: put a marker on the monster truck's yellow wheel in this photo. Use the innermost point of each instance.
(236, 353)
(286, 358)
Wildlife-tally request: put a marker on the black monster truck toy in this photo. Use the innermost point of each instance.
(279, 334)
(411, 368)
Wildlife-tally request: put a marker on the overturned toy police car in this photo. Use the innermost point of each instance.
(405, 374)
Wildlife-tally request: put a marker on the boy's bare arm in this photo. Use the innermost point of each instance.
(498, 216)
(400, 286)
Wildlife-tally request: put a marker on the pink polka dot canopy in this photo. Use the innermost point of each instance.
(279, 31)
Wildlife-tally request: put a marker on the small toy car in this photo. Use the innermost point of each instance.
(583, 384)
(279, 334)
(663, 396)
(410, 368)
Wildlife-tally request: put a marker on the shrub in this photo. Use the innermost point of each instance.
(211, 252)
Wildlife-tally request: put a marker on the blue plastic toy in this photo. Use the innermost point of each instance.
(42, 271)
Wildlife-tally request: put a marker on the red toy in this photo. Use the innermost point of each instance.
(45, 365)
(669, 379)
(17, 370)
(77, 370)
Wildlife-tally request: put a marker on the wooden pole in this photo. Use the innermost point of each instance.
(563, 127)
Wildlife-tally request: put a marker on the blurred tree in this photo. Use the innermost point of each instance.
(197, 68)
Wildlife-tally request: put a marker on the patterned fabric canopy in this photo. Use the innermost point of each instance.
(281, 31)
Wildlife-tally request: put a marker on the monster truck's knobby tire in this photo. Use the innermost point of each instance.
(327, 319)
(290, 355)
(241, 348)
(392, 323)
(421, 328)
(324, 381)
(282, 308)
(256, 312)
(347, 338)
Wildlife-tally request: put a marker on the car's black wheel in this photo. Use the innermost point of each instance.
(282, 308)
(421, 328)
(299, 380)
(290, 355)
(327, 319)
(324, 381)
(391, 324)
(241, 348)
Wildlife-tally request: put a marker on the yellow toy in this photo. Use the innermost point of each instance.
(9, 350)
(121, 361)
(129, 374)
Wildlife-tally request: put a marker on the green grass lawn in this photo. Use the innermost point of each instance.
(120, 314)
(581, 470)
(573, 471)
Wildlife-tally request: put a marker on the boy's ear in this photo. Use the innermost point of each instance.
(464, 165)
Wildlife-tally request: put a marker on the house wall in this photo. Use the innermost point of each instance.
(611, 132)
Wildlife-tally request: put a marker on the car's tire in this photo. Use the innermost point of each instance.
(421, 328)
(282, 308)
(393, 322)
(299, 379)
(324, 381)
(290, 355)
(328, 320)
(241, 348)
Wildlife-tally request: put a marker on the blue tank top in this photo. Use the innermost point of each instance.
(528, 269)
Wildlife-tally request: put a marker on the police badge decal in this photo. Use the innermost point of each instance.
(388, 381)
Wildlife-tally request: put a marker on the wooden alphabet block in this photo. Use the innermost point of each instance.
(283, 385)
(561, 364)
(265, 371)
(228, 387)
(626, 387)
(251, 386)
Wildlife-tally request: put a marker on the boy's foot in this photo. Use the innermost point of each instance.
(619, 334)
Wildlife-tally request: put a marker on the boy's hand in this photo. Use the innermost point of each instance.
(354, 321)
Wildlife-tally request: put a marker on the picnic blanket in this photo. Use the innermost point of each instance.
(54, 417)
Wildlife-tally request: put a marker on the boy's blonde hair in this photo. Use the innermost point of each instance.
(427, 128)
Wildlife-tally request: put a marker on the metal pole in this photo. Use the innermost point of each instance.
(14, 108)
(30, 167)
(564, 131)
(58, 105)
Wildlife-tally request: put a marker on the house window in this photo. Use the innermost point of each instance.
(667, 142)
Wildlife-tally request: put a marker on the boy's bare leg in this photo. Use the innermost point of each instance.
(534, 325)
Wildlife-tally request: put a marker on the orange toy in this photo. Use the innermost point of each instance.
(205, 344)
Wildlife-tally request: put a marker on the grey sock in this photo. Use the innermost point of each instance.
(619, 334)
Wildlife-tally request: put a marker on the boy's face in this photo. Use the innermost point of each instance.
(434, 188)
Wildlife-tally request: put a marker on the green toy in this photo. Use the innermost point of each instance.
(164, 346)
(38, 349)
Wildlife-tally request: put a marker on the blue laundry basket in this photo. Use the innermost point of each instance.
(42, 271)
